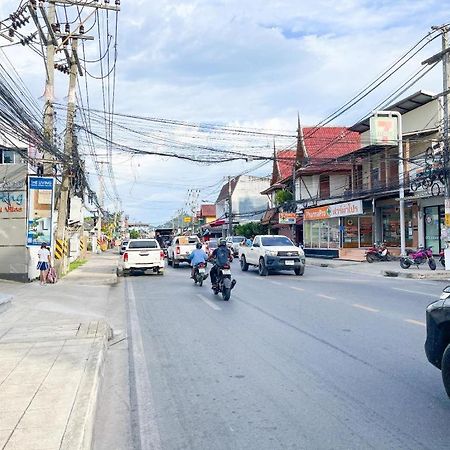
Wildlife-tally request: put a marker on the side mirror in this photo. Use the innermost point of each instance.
(255, 244)
(446, 289)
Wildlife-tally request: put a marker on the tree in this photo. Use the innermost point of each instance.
(135, 234)
(250, 229)
(283, 196)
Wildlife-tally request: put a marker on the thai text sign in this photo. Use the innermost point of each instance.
(383, 130)
(331, 211)
(287, 218)
(40, 210)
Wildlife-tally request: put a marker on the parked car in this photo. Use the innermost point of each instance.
(141, 255)
(180, 249)
(233, 243)
(271, 253)
(437, 344)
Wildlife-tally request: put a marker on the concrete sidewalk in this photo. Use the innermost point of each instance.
(382, 268)
(53, 342)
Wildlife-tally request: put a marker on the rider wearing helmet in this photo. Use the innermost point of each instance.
(221, 256)
(197, 256)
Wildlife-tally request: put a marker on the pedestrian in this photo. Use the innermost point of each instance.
(44, 262)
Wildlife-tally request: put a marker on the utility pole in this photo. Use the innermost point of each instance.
(444, 56)
(49, 88)
(230, 209)
(61, 264)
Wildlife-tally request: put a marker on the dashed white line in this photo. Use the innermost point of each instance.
(277, 283)
(297, 288)
(428, 294)
(209, 302)
(416, 322)
(366, 308)
(328, 297)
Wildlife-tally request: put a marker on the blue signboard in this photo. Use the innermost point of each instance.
(40, 211)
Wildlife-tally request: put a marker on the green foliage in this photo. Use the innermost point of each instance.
(283, 196)
(250, 229)
(135, 234)
(77, 263)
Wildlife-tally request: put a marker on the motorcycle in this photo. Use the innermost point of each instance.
(442, 258)
(224, 282)
(200, 274)
(418, 257)
(378, 252)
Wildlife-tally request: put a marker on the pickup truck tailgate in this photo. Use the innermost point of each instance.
(144, 257)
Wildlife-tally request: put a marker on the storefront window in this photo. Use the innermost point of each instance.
(315, 233)
(365, 231)
(307, 234)
(334, 233)
(351, 232)
(390, 216)
(434, 221)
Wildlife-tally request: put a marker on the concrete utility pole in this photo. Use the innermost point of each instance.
(49, 88)
(62, 263)
(444, 56)
(230, 209)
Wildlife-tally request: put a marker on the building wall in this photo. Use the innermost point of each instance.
(247, 196)
(13, 253)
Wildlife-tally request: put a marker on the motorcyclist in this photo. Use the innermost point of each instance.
(196, 257)
(221, 256)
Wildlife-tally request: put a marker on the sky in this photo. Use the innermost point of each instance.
(246, 63)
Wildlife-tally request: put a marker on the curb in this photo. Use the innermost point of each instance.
(5, 302)
(416, 276)
(80, 427)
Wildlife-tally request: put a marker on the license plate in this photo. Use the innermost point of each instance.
(289, 263)
(226, 271)
(201, 270)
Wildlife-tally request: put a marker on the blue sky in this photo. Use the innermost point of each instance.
(244, 63)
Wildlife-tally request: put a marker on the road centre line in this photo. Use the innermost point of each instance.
(415, 322)
(297, 288)
(326, 296)
(366, 308)
(428, 294)
(277, 283)
(209, 302)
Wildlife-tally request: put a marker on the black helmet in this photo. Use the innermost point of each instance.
(222, 241)
(199, 245)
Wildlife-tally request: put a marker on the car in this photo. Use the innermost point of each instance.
(211, 245)
(180, 249)
(233, 243)
(272, 253)
(123, 247)
(437, 344)
(141, 255)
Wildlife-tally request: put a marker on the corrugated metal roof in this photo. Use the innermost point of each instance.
(405, 105)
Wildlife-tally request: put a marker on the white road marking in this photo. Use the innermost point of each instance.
(416, 322)
(277, 283)
(148, 429)
(428, 294)
(366, 308)
(326, 296)
(209, 302)
(297, 288)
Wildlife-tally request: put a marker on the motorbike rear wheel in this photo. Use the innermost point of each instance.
(226, 293)
(370, 258)
(432, 264)
(388, 257)
(404, 263)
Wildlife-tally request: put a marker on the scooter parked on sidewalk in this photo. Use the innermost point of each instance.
(224, 282)
(442, 258)
(378, 252)
(418, 257)
(200, 274)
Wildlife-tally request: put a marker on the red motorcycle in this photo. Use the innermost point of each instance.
(378, 252)
(418, 257)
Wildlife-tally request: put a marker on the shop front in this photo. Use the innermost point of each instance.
(329, 229)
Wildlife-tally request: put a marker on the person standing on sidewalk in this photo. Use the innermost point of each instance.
(44, 262)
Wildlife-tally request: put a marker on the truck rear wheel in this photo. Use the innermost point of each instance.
(176, 264)
(445, 368)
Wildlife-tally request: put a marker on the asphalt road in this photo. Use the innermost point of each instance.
(330, 360)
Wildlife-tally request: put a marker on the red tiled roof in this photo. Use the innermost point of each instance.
(326, 143)
(208, 211)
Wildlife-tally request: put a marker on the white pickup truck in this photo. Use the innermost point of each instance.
(180, 248)
(140, 255)
(269, 253)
